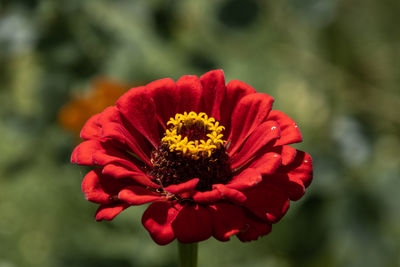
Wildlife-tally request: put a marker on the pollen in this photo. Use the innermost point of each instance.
(193, 135)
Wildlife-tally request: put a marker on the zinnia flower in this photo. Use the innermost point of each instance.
(212, 159)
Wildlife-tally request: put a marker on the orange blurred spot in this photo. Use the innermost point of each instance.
(103, 93)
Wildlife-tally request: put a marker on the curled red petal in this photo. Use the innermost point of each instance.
(262, 135)
(183, 187)
(83, 153)
(254, 229)
(193, 224)
(300, 168)
(191, 91)
(207, 197)
(137, 195)
(157, 220)
(249, 113)
(91, 130)
(290, 133)
(288, 154)
(166, 97)
(227, 220)
(246, 179)
(109, 211)
(93, 189)
(139, 109)
(100, 188)
(213, 83)
(230, 194)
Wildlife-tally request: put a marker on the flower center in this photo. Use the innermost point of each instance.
(192, 148)
(194, 135)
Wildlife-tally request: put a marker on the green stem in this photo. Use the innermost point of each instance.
(187, 254)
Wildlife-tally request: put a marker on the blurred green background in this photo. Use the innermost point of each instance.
(332, 65)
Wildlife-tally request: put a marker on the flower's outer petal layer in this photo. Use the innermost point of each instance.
(119, 172)
(92, 187)
(227, 220)
(109, 211)
(91, 130)
(267, 163)
(235, 90)
(191, 91)
(183, 187)
(137, 195)
(166, 97)
(267, 201)
(213, 83)
(290, 133)
(139, 109)
(207, 197)
(300, 169)
(157, 219)
(249, 113)
(254, 229)
(230, 194)
(246, 179)
(116, 131)
(103, 189)
(264, 134)
(193, 224)
(96, 153)
(288, 154)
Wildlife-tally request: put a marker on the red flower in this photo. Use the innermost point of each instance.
(211, 158)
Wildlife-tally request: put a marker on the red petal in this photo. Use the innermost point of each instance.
(262, 135)
(139, 109)
(166, 97)
(108, 212)
(300, 168)
(235, 90)
(91, 130)
(100, 188)
(290, 133)
(193, 224)
(157, 220)
(255, 229)
(246, 179)
(288, 154)
(83, 153)
(117, 132)
(267, 163)
(207, 196)
(249, 113)
(213, 83)
(191, 91)
(230, 194)
(294, 187)
(183, 187)
(93, 189)
(137, 195)
(119, 172)
(267, 202)
(227, 220)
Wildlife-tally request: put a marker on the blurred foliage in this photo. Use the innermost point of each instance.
(332, 65)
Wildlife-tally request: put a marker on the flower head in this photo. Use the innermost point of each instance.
(212, 159)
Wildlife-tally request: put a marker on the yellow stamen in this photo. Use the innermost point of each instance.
(197, 122)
